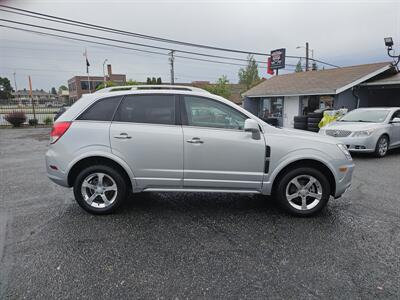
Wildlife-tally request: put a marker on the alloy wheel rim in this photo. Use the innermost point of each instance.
(99, 190)
(304, 192)
(383, 146)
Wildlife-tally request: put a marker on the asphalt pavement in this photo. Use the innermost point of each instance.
(185, 246)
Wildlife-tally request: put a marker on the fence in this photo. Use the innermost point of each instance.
(42, 111)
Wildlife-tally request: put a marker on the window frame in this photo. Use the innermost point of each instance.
(176, 106)
(184, 115)
(94, 103)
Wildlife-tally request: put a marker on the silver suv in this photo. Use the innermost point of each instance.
(136, 139)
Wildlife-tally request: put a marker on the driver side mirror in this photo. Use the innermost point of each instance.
(252, 126)
(395, 120)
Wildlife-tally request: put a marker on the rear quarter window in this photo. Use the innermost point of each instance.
(101, 110)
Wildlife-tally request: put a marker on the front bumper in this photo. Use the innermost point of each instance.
(358, 144)
(343, 180)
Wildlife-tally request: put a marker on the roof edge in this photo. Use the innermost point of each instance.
(362, 79)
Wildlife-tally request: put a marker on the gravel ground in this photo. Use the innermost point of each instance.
(193, 245)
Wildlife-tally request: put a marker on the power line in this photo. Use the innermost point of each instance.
(123, 47)
(71, 22)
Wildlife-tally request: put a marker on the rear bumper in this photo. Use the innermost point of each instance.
(55, 175)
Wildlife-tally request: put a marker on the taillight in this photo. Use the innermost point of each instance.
(58, 130)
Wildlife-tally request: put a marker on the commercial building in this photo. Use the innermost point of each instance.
(79, 85)
(285, 96)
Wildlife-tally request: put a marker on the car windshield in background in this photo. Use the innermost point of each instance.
(373, 116)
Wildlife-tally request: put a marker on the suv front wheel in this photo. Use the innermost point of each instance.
(303, 191)
(100, 189)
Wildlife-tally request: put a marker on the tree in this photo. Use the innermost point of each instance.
(220, 88)
(249, 75)
(102, 86)
(159, 81)
(62, 88)
(153, 80)
(5, 88)
(148, 81)
(53, 91)
(132, 82)
(299, 67)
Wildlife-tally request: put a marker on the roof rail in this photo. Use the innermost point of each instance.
(151, 87)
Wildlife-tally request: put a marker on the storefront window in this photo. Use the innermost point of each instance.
(271, 108)
(311, 103)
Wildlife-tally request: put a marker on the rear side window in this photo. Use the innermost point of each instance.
(155, 109)
(102, 110)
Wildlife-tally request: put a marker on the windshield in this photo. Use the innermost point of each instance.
(363, 115)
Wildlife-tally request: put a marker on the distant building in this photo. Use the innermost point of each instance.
(79, 85)
(38, 96)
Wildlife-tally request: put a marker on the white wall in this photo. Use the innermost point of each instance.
(291, 107)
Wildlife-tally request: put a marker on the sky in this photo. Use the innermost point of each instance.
(343, 33)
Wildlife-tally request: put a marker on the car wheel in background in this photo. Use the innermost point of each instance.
(100, 189)
(303, 191)
(382, 146)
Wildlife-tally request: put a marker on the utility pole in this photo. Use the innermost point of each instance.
(306, 56)
(104, 73)
(16, 88)
(171, 60)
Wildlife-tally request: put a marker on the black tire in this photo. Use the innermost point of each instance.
(121, 189)
(280, 191)
(312, 124)
(299, 125)
(300, 119)
(315, 115)
(378, 152)
(314, 120)
(313, 129)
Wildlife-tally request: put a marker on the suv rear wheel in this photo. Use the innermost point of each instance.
(100, 189)
(303, 191)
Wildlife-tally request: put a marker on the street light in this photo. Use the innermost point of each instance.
(389, 45)
(307, 51)
(310, 50)
(388, 42)
(104, 72)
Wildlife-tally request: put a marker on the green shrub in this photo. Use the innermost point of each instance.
(33, 122)
(16, 118)
(48, 121)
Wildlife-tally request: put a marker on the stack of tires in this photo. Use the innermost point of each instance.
(313, 121)
(300, 122)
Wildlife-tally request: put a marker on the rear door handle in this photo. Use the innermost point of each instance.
(195, 140)
(123, 136)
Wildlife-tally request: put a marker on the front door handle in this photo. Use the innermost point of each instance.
(123, 136)
(195, 140)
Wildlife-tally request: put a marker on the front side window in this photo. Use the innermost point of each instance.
(204, 112)
(155, 109)
(102, 110)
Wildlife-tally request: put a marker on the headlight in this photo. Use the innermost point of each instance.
(363, 133)
(345, 151)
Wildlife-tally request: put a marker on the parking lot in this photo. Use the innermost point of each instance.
(178, 246)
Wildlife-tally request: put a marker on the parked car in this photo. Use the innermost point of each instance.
(60, 112)
(373, 130)
(183, 139)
